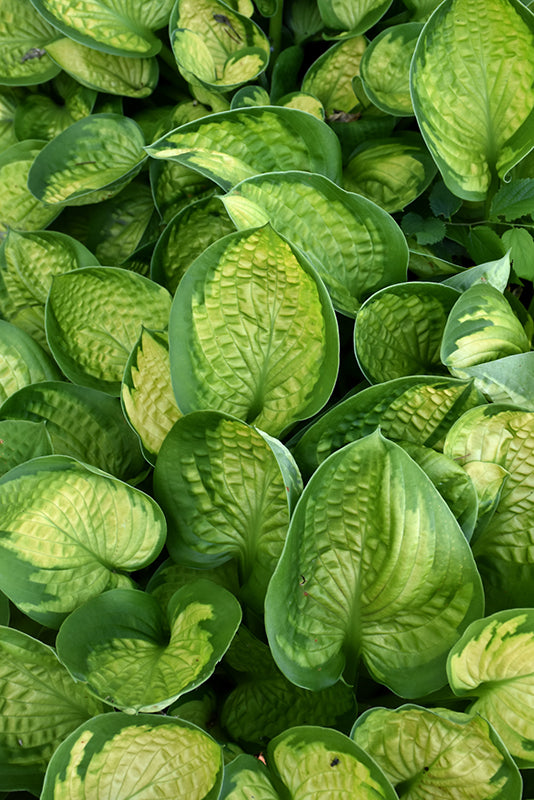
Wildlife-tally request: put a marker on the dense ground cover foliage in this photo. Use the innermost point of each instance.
(266, 399)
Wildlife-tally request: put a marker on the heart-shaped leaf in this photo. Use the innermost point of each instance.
(127, 756)
(41, 705)
(228, 499)
(354, 245)
(237, 144)
(94, 318)
(136, 656)
(384, 576)
(458, 90)
(68, 532)
(241, 351)
(492, 662)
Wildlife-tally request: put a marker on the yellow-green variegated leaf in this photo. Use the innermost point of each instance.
(111, 26)
(21, 440)
(329, 77)
(481, 327)
(476, 117)
(418, 409)
(314, 762)
(91, 160)
(186, 236)
(67, 532)
(22, 361)
(218, 46)
(391, 172)
(170, 576)
(506, 380)
(174, 186)
(226, 490)
(237, 144)
(19, 208)
(354, 245)
(93, 319)
(492, 663)
(146, 392)
(41, 705)
(24, 37)
(41, 117)
(246, 776)
(375, 568)
(137, 657)
(81, 422)
(501, 435)
(303, 102)
(114, 74)
(438, 753)
(398, 331)
(354, 16)
(146, 756)
(385, 68)
(252, 333)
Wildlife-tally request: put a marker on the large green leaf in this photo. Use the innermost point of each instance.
(68, 532)
(438, 753)
(329, 77)
(112, 26)
(18, 207)
(94, 318)
(216, 45)
(481, 327)
(137, 657)
(399, 329)
(22, 361)
(21, 440)
(419, 409)
(252, 333)
(492, 663)
(24, 37)
(476, 117)
(237, 144)
(91, 160)
(81, 422)
(228, 498)
(385, 68)
(41, 705)
(354, 245)
(504, 436)
(375, 568)
(246, 776)
(144, 756)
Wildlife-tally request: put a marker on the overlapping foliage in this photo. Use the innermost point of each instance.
(266, 399)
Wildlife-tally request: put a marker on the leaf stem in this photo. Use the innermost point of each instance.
(275, 32)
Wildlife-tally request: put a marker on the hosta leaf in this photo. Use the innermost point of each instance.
(186, 236)
(112, 26)
(169, 577)
(497, 273)
(93, 319)
(90, 161)
(303, 102)
(363, 576)
(419, 409)
(502, 435)
(329, 77)
(237, 144)
(115, 74)
(250, 96)
(18, 207)
(24, 35)
(137, 657)
(492, 662)
(228, 499)
(146, 392)
(21, 440)
(506, 380)
(385, 68)
(41, 705)
(81, 422)
(266, 353)
(218, 46)
(477, 118)
(355, 246)
(246, 776)
(314, 762)
(66, 530)
(144, 756)
(260, 709)
(434, 752)
(41, 117)
(356, 16)
(22, 361)
(175, 186)
(398, 331)
(391, 172)
(481, 327)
